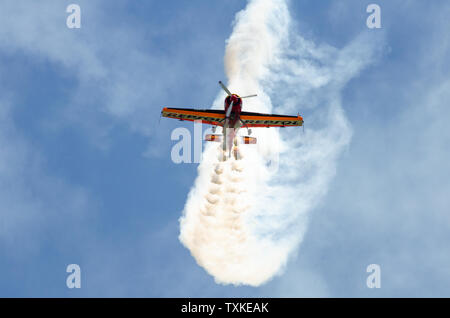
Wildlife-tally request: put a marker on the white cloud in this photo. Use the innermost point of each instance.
(242, 223)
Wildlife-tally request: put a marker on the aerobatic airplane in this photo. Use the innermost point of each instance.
(231, 119)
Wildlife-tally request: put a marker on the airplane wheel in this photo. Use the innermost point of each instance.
(218, 170)
(223, 157)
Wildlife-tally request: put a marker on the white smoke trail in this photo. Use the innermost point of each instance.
(243, 218)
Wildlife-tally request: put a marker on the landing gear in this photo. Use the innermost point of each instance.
(223, 157)
(237, 153)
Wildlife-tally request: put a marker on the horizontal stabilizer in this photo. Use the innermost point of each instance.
(248, 140)
(211, 137)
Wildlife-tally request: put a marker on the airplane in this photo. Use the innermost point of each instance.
(231, 119)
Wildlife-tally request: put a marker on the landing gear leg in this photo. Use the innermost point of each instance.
(236, 152)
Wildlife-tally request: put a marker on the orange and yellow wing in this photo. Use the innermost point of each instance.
(270, 120)
(206, 116)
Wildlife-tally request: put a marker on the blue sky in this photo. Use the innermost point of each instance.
(85, 169)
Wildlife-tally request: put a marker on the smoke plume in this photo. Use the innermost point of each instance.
(244, 218)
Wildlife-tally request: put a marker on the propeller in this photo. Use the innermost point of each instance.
(254, 95)
(229, 93)
(225, 88)
(227, 115)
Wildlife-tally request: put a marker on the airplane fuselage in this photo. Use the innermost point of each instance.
(233, 108)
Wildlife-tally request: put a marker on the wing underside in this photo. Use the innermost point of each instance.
(217, 117)
(206, 116)
(270, 120)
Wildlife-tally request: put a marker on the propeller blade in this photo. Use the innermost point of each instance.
(227, 115)
(224, 88)
(254, 95)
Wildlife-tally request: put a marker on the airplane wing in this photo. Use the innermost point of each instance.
(206, 116)
(270, 120)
